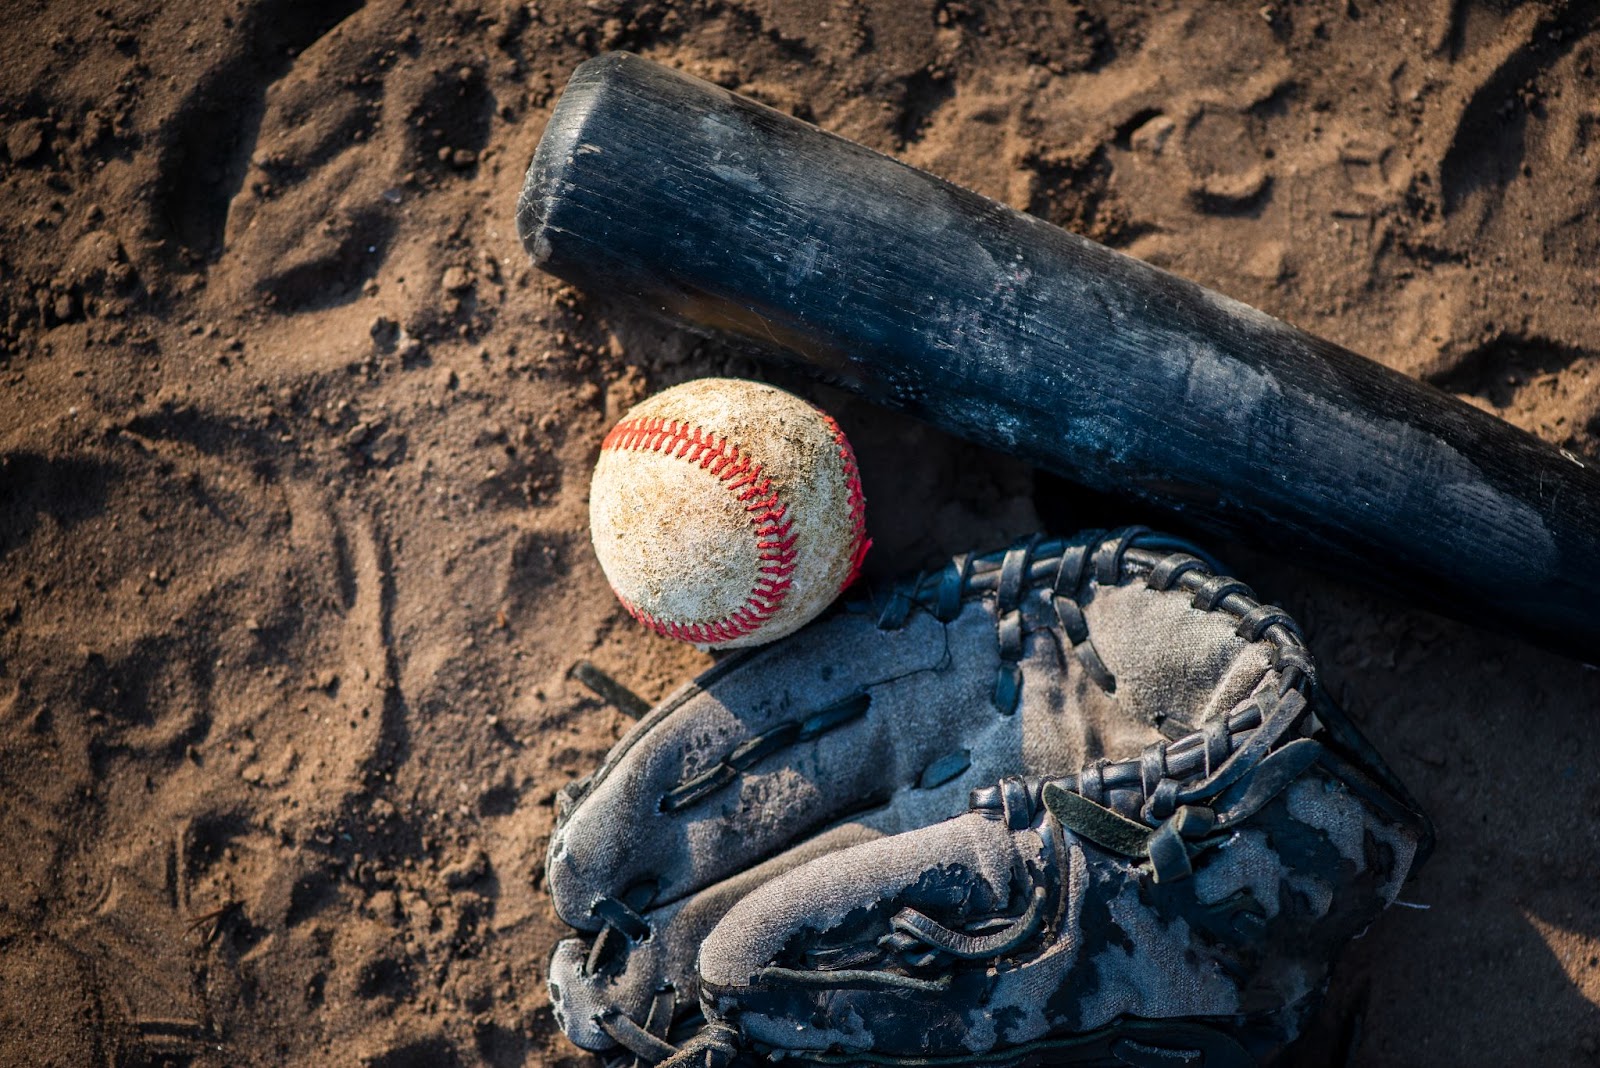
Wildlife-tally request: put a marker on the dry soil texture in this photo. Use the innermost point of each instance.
(294, 449)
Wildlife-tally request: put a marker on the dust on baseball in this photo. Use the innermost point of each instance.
(727, 513)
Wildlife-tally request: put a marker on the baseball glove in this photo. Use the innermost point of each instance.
(1080, 801)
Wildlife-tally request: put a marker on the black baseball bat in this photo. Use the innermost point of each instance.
(999, 327)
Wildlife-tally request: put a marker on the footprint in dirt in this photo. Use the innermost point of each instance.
(208, 674)
(289, 177)
(212, 620)
(206, 147)
(1515, 125)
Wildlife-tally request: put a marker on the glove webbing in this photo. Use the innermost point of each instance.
(1056, 569)
(1167, 804)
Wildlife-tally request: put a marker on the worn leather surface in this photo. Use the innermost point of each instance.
(782, 810)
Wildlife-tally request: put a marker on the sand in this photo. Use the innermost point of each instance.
(294, 455)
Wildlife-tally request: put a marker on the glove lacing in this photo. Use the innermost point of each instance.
(1162, 807)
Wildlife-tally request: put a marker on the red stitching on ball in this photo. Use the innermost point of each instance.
(858, 503)
(768, 515)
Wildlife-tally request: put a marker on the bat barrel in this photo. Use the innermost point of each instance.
(999, 327)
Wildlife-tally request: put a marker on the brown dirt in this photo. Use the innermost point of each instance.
(294, 449)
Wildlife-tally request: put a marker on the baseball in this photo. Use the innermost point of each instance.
(727, 513)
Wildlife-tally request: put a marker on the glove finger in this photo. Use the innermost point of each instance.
(607, 987)
(1004, 931)
(1027, 661)
(813, 960)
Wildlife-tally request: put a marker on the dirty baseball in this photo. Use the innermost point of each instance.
(727, 513)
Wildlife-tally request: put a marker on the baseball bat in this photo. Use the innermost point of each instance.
(722, 213)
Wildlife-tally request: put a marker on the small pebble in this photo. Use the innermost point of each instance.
(385, 332)
(1152, 136)
(467, 871)
(24, 140)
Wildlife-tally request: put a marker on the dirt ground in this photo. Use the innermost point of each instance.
(294, 455)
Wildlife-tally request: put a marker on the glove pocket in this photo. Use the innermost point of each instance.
(828, 725)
